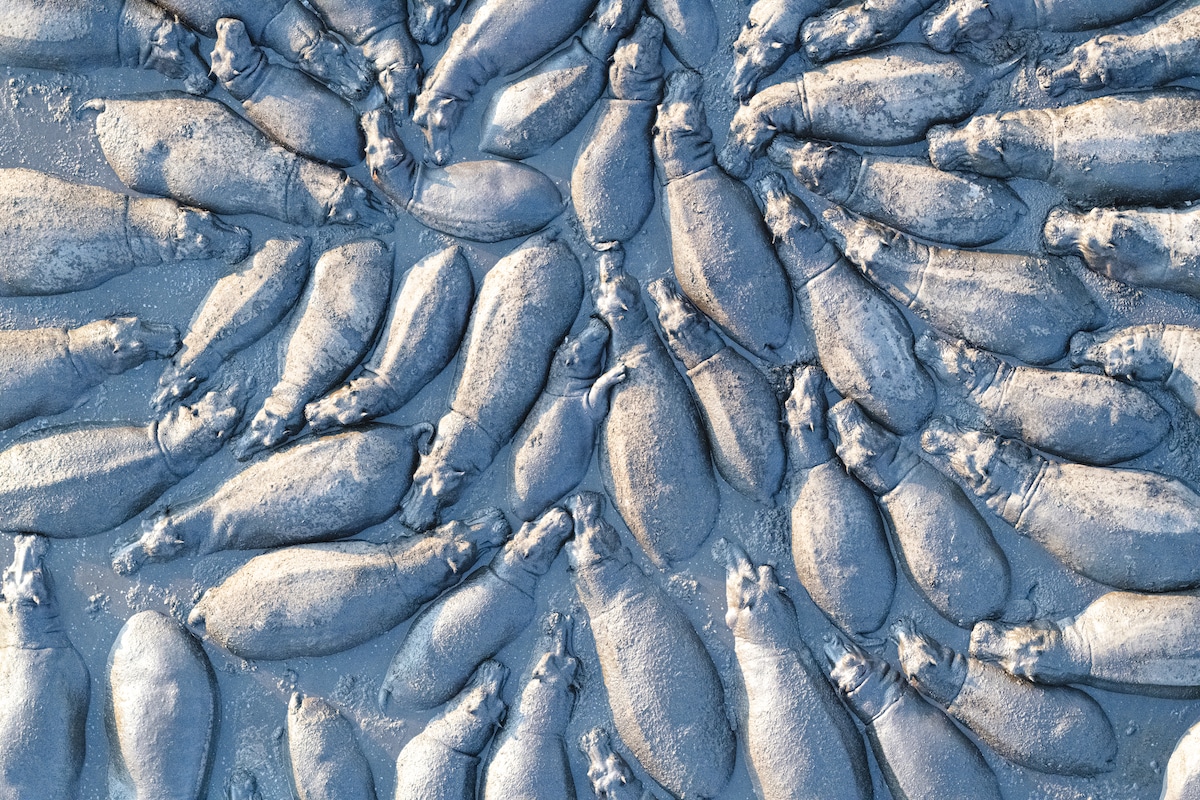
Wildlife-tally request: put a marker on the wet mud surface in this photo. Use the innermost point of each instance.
(39, 129)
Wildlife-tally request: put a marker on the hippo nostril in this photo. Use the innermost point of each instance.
(945, 147)
(938, 33)
(1081, 349)
(1059, 231)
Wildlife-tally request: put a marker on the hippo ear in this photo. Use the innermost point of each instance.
(424, 441)
(542, 669)
(768, 581)
(964, 363)
(749, 593)
(576, 672)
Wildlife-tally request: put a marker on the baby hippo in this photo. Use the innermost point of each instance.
(800, 741)
(475, 620)
(740, 410)
(529, 759)
(553, 448)
(285, 104)
(76, 37)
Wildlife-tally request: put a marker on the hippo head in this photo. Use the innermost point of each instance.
(869, 684)
(991, 466)
(323, 56)
(1117, 244)
(754, 57)
(806, 406)
(610, 22)
(536, 544)
(1069, 232)
(850, 666)
(682, 138)
(460, 450)
(683, 104)
(1124, 353)
(174, 384)
(849, 29)
(988, 144)
(595, 540)
(468, 722)
(582, 356)
(429, 20)
(864, 446)
(121, 343)
(959, 21)
(1027, 651)
(26, 582)
(435, 484)
(680, 319)
(757, 609)
(192, 234)
(970, 452)
(158, 542)
(935, 670)
(864, 241)
(400, 84)
(353, 404)
(464, 540)
(349, 203)
(955, 363)
(797, 238)
(617, 294)
(556, 666)
(236, 62)
(1090, 65)
(190, 434)
(749, 132)
(152, 38)
(439, 115)
(610, 776)
(829, 170)
(688, 331)
(242, 785)
(392, 166)
(636, 72)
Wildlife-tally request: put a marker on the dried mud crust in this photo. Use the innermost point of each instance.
(38, 131)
